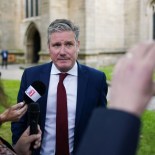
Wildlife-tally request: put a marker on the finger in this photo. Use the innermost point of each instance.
(150, 56)
(22, 110)
(39, 130)
(153, 89)
(36, 145)
(34, 137)
(19, 114)
(118, 65)
(37, 141)
(139, 51)
(26, 132)
(18, 106)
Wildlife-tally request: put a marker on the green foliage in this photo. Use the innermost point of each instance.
(147, 138)
(11, 88)
(108, 70)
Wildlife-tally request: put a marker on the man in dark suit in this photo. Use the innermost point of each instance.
(86, 89)
(117, 128)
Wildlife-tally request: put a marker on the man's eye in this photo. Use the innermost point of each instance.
(69, 45)
(56, 45)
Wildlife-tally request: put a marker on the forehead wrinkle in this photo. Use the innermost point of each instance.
(67, 35)
(63, 42)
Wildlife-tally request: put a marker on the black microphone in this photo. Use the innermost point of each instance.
(33, 118)
(34, 92)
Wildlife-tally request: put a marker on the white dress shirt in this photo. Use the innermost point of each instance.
(70, 83)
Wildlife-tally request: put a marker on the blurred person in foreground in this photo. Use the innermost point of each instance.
(14, 113)
(117, 128)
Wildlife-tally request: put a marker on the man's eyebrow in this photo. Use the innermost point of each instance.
(71, 42)
(56, 42)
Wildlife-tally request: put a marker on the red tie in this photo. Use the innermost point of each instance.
(62, 145)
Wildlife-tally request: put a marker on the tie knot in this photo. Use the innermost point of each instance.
(62, 76)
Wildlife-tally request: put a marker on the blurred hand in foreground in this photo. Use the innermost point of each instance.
(132, 84)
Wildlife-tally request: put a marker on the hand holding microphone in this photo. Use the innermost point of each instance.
(22, 146)
(32, 94)
(13, 113)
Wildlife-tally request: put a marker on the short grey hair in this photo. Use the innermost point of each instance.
(60, 25)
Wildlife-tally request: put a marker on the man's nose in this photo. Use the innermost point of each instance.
(62, 49)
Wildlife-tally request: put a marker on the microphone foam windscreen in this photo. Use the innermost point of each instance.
(34, 92)
(39, 87)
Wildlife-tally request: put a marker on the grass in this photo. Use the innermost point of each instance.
(11, 88)
(147, 138)
(108, 71)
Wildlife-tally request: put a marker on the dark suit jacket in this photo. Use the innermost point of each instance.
(110, 132)
(4, 54)
(91, 93)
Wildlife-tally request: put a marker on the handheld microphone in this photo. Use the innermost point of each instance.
(33, 118)
(34, 92)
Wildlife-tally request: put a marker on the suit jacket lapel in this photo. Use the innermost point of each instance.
(81, 92)
(44, 76)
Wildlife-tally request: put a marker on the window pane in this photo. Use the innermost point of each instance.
(37, 8)
(31, 8)
(27, 9)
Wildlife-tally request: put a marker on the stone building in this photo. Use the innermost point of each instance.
(108, 27)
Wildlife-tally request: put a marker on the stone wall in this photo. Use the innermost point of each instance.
(7, 24)
(107, 28)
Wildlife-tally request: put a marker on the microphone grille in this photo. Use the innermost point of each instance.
(34, 107)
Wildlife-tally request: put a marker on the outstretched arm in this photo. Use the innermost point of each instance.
(115, 131)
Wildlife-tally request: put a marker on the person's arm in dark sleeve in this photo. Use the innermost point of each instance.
(110, 132)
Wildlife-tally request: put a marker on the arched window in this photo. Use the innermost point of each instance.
(31, 8)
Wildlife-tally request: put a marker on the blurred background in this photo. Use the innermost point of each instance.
(108, 27)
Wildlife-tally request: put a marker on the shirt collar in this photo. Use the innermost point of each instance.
(73, 71)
